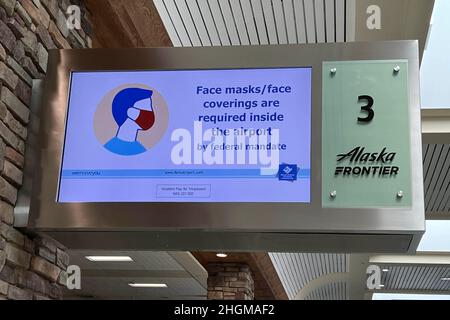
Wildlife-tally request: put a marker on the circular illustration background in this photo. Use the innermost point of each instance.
(106, 128)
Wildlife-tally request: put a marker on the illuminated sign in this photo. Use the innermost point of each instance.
(232, 135)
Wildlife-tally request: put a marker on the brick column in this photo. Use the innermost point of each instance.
(230, 281)
(31, 267)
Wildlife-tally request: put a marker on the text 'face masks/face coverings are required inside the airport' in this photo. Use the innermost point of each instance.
(231, 135)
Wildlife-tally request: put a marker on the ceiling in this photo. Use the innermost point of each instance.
(419, 274)
(142, 260)
(400, 19)
(138, 23)
(103, 288)
(184, 276)
(436, 163)
(262, 22)
(415, 278)
(257, 22)
(330, 291)
(296, 270)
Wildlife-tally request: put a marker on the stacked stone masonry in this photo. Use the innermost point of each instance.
(31, 266)
(230, 281)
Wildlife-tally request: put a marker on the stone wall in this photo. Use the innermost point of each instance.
(230, 281)
(31, 266)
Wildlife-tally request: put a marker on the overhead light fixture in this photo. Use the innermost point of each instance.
(147, 285)
(445, 279)
(385, 270)
(221, 255)
(109, 258)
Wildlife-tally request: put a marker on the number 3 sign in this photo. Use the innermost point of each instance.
(366, 157)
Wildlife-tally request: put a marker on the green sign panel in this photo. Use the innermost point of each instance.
(366, 158)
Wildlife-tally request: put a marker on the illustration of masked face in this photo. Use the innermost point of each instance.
(133, 112)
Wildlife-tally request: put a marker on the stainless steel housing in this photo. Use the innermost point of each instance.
(223, 226)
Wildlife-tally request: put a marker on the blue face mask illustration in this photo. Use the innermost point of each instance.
(132, 110)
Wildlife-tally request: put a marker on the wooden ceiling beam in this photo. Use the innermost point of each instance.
(127, 24)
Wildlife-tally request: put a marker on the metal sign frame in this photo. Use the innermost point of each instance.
(224, 226)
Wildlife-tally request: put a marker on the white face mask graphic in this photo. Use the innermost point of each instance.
(133, 113)
(140, 117)
(143, 118)
(145, 104)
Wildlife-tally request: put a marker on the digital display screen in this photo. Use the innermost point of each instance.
(231, 135)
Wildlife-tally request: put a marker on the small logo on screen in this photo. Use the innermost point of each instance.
(288, 172)
(131, 119)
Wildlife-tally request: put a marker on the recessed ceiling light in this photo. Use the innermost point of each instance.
(221, 255)
(385, 270)
(147, 285)
(109, 258)
(445, 279)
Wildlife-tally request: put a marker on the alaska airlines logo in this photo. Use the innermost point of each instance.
(362, 163)
(131, 119)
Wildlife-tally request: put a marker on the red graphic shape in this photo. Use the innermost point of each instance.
(146, 119)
